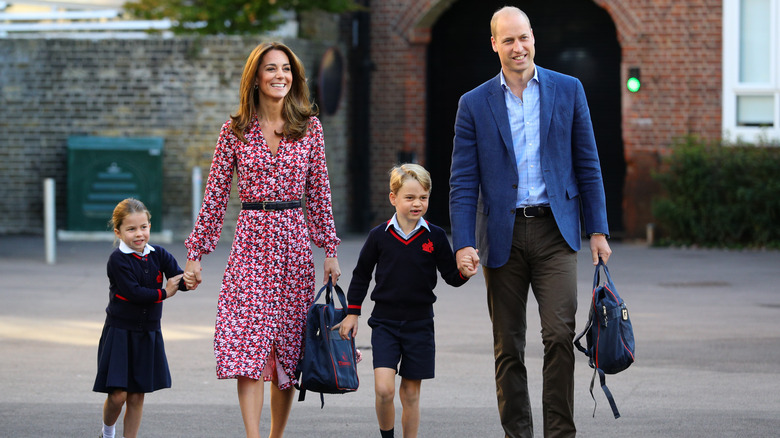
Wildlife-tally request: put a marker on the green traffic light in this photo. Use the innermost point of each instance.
(633, 84)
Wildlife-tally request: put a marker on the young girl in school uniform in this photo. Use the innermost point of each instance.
(131, 354)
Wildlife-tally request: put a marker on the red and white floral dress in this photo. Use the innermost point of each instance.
(269, 281)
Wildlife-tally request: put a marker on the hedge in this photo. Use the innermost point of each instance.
(719, 195)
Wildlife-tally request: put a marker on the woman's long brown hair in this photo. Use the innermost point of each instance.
(297, 106)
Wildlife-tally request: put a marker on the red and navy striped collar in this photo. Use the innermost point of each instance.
(395, 229)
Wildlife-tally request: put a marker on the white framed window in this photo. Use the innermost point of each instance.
(751, 70)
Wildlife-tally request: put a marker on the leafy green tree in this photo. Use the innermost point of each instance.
(234, 17)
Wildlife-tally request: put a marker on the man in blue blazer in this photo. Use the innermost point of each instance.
(524, 166)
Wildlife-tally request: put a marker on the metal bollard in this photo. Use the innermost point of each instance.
(49, 221)
(197, 191)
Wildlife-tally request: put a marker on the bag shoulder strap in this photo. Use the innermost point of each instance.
(607, 392)
(588, 325)
(302, 397)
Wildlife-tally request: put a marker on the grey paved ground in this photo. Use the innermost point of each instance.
(707, 324)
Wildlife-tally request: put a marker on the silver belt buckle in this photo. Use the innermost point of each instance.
(524, 213)
(264, 208)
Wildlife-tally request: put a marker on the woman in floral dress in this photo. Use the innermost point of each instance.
(276, 147)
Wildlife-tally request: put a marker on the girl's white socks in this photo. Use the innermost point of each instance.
(109, 431)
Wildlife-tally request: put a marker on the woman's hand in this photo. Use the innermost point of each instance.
(193, 279)
(332, 269)
(189, 279)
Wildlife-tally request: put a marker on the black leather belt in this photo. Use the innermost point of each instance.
(270, 205)
(536, 211)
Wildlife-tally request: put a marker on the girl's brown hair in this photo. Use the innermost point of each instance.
(126, 208)
(297, 106)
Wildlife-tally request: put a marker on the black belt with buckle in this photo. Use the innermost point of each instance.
(270, 205)
(536, 211)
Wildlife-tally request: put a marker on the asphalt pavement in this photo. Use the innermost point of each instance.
(707, 327)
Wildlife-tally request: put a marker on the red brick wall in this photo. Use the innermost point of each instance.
(398, 49)
(676, 44)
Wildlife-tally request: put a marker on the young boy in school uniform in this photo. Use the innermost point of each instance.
(406, 251)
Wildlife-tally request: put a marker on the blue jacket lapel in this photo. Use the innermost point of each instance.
(497, 103)
(546, 104)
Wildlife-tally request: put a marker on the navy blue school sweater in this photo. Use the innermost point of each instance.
(136, 288)
(405, 272)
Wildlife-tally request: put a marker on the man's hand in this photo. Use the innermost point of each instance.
(468, 261)
(599, 248)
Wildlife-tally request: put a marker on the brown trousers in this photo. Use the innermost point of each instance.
(542, 259)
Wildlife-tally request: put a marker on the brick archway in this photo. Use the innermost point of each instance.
(411, 26)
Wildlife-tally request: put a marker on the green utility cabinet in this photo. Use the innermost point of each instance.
(105, 170)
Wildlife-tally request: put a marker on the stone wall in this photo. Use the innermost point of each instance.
(182, 89)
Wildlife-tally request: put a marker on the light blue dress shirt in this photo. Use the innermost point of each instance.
(524, 121)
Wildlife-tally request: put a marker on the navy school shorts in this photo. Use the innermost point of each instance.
(412, 343)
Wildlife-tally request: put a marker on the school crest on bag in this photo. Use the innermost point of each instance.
(345, 361)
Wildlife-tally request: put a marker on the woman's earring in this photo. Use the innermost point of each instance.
(256, 87)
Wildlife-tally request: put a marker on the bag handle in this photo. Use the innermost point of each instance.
(328, 289)
(596, 281)
(597, 276)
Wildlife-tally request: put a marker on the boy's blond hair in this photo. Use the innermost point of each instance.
(403, 172)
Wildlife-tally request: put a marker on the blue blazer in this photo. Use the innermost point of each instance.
(484, 178)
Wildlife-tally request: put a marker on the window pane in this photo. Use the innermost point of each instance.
(754, 41)
(755, 111)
